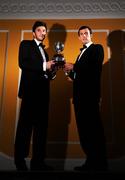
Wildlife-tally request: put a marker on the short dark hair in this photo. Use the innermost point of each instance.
(37, 24)
(84, 27)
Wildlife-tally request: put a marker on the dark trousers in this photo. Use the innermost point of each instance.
(33, 122)
(91, 132)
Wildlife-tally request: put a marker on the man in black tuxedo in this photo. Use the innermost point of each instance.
(36, 73)
(86, 76)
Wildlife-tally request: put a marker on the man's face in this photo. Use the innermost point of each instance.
(85, 36)
(40, 33)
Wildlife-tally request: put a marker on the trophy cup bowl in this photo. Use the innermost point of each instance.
(58, 57)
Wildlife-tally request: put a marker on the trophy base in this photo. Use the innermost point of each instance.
(59, 60)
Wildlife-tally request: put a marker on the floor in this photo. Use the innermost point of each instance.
(7, 170)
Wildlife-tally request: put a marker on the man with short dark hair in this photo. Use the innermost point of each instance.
(36, 73)
(86, 76)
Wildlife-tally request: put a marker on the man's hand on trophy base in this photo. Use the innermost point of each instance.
(50, 64)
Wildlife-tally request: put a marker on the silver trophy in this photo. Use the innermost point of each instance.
(58, 57)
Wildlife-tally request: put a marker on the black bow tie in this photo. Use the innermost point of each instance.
(41, 45)
(84, 46)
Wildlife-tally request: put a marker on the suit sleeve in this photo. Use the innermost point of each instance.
(28, 60)
(72, 74)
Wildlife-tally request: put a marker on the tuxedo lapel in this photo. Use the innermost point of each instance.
(36, 49)
(84, 53)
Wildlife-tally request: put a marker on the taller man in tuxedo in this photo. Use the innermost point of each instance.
(86, 76)
(34, 89)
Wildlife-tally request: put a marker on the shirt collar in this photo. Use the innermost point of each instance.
(88, 44)
(37, 42)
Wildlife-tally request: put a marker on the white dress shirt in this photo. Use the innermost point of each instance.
(42, 53)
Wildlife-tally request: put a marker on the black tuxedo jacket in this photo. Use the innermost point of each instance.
(33, 81)
(87, 73)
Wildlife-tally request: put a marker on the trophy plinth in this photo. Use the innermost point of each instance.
(58, 58)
